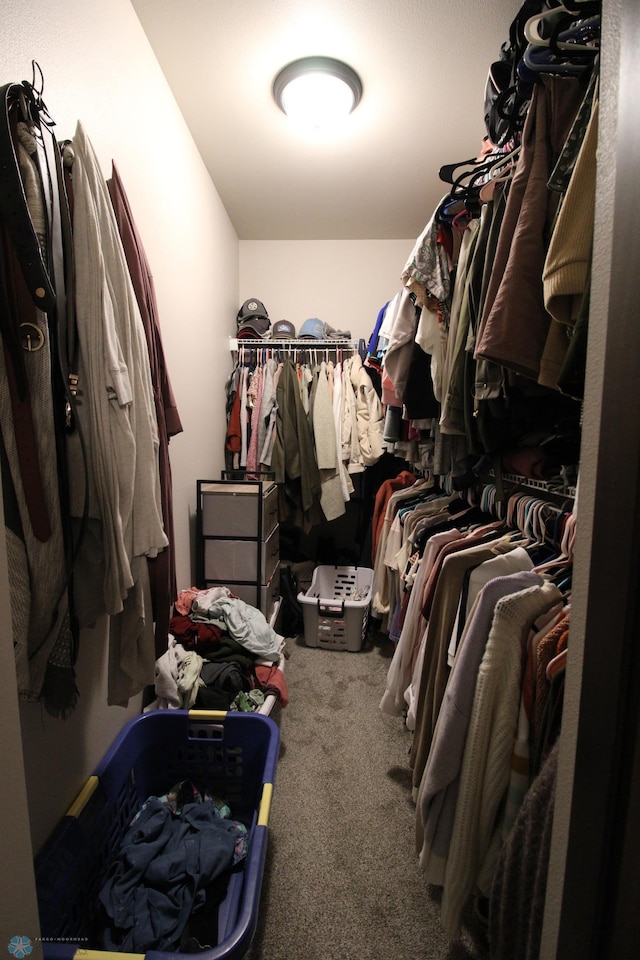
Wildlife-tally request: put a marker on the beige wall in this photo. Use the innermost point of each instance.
(98, 67)
(344, 282)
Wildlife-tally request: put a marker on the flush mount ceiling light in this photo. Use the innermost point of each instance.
(317, 91)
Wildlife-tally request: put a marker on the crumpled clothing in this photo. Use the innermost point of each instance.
(222, 683)
(189, 680)
(185, 599)
(272, 681)
(205, 597)
(185, 792)
(248, 702)
(166, 681)
(245, 624)
(204, 637)
(160, 875)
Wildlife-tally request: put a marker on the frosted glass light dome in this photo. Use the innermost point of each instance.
(317, 91)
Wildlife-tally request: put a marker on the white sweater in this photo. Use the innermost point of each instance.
(486, 762)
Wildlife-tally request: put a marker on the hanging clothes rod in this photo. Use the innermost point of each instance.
(236, 344)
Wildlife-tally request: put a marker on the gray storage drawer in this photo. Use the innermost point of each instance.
(232, 560)
(233, 509)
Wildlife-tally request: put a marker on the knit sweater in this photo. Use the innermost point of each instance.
(435, 669)
(484, 775)
(437, 796)
(516, 905)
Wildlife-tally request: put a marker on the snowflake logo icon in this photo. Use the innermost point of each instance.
(20, 947)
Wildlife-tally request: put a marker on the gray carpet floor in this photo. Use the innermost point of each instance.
(342, 881)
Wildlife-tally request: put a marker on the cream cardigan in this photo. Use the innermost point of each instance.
(486, 762)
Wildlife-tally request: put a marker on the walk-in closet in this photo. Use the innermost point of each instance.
(320, 467)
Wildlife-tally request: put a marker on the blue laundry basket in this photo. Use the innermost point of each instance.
(233, 755)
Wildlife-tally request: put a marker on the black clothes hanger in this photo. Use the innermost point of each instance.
(467, 195)
(560, 44)
(454, 172)
(507, 95)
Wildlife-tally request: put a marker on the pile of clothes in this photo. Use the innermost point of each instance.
(171, 873)
(222, 654)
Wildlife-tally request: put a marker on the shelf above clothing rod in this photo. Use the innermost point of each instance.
(236, 344)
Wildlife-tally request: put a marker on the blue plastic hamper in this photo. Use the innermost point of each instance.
(233, 755)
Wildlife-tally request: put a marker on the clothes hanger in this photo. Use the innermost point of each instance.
(560, 19)
(559, 49)
(560, 660)
(539, 60)
(501, 171)
(449, 172)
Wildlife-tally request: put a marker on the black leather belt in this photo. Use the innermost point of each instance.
(28, 284)
(13, 201)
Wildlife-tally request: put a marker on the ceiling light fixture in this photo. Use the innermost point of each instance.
(317, 91)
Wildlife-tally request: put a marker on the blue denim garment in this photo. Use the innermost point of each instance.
(161, 873)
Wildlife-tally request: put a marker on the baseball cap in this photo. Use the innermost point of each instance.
(252, 308)
(254, 326)
(283, 330)
(312, 329)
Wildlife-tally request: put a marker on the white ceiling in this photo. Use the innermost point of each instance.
(423, 65)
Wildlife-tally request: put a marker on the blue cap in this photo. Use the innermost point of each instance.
(312, 329)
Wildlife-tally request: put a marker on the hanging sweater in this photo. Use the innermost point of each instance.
(436, 803)
(485, 770)
(517, 899)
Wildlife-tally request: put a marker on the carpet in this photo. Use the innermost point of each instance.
(342, 881)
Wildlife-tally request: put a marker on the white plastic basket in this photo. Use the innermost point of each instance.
(336, 607)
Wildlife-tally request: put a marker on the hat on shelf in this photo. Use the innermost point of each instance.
(255, 327)
(312, 329)
(252, 319)
(283, 330)
(250, 309)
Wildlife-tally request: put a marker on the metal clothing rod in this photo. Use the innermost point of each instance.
(236, 344)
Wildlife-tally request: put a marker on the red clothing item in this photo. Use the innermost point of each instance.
(404, 479)
(272, 680)
(234, 430)
(195, 635)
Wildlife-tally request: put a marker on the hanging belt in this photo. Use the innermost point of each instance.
(15, 301)
(26, 283)
(14, 209)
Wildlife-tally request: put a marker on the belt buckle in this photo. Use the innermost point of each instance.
(31, 337)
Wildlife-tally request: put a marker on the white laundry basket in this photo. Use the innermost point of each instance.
(336, 607)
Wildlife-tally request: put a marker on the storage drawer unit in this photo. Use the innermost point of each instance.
(239, 508)
(238, 539)
(241, 559)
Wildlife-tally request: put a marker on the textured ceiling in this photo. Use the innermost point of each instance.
(423, 66)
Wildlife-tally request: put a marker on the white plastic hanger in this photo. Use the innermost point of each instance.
(533, 26)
